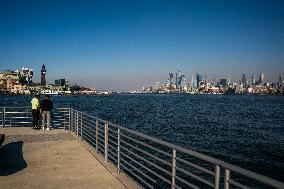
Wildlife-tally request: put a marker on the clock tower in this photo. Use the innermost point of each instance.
(43, 72)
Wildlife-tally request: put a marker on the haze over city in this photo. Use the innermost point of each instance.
(122, 45)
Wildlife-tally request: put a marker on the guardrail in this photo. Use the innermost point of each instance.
(22, 116)
(151, 162)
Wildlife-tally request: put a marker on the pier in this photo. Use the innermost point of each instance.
(87, 152)
(53, 159)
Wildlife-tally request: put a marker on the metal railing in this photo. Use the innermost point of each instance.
(151, 162)
(22, 116)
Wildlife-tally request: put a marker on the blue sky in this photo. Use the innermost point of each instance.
(122, 45)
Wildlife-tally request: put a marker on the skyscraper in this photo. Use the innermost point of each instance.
(171, 79)
(261, 78)
(244, 79)
(43, 72)
(197, 80)
(252, 80)
(177, 76)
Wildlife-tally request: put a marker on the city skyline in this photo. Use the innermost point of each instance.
(125, 45)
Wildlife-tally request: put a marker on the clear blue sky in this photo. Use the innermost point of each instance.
(123, 45)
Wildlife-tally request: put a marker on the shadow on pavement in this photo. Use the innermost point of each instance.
(11, 158)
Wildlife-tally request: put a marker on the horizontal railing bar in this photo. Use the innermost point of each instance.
(138, 170)
(142, 151)
(101, 129)
(58, 116)
(142, 143)
(195, 176)
(112, 154)
(187, 183)
(101, 135)
(115, 149)
(57, 120)
(20, 107)
(100, 125)
(60, 112)
(112, 130)
(101, 140)
(147, 161)
(19, 122)
(112, 136)
(196, 166)
(112, 141)
(238, 184)
(101, 148)
(10, 118)
(8, 113)
(146, 183)
(113, 159)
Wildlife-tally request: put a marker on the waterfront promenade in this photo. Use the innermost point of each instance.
(53, 159)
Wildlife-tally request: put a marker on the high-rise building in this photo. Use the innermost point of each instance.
(177, 76)
(197, 80)
(182, 80)
(244, 79)
(43, 73)
(261, 78)
(25, 75)
(171, 79)
(252, 80)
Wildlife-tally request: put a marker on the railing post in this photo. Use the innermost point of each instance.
(81, 126)
(77, 124)
(173, 169)
(4, 117)
(118, 150)
(227, 179)
(69, 115)
(217, 177)
(97, 135)
(106, 142)
(28, 114)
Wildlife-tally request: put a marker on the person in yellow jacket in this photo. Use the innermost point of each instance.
(35, 111)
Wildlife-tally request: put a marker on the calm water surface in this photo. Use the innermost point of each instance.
(247, 131)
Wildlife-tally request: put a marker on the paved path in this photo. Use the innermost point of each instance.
(51, 159)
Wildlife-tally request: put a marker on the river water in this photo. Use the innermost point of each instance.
(247, 131)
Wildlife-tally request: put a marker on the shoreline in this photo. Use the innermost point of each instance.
(112, 94)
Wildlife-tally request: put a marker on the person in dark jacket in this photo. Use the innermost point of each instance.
(46, 106)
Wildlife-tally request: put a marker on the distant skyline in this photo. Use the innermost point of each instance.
(122, 45)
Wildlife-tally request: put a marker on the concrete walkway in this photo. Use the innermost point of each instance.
(52, 159)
